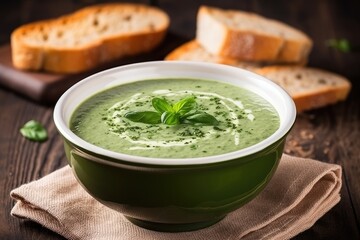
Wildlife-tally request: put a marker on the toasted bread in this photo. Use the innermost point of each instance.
(88, 37)
(250, 37)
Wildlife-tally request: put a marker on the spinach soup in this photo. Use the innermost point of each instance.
(175, 118)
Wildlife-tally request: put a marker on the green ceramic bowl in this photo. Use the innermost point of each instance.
(174, 194)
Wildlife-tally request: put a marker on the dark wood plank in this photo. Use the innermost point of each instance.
(22, 160)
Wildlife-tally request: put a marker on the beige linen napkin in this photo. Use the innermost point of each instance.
(301, 191)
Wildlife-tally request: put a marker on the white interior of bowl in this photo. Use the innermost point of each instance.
(74, 96)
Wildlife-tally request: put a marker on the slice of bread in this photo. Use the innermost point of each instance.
(193, 51)
(89, 37)
(309, 87)
(251, 37)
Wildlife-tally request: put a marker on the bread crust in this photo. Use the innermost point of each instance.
(295, 51)
(192, 46)
(250, 46)
(314, 96)
(89, 54)
(178, 52)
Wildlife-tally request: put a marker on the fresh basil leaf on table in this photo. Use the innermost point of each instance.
(34, 130)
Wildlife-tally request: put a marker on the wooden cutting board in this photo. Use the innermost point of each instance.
(46, 88)
(43, 87)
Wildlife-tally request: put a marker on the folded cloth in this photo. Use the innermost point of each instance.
(300, 192)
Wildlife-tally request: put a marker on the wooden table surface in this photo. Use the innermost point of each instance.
(330, 134)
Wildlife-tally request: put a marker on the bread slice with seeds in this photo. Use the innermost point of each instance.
(309, 87)
(88, 37)
(251, 37)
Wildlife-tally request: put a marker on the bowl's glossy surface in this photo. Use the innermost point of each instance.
(174, 194)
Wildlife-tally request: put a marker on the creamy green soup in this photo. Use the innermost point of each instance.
(242, 119)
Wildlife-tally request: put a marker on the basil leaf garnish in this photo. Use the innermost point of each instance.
(144, 116)
(170, 118)
(161, 105)
(184, 111)
(33, 130)
(201, 118)
(185, 105)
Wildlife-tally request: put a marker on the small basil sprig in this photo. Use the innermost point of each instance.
(34, 131)
(184, 111)
(342, 44)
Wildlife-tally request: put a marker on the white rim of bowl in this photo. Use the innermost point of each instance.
(285, 122)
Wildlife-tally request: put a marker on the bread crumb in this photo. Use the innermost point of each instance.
(306, 134)
(326, 150)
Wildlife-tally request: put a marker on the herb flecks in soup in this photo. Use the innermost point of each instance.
(242, 118)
